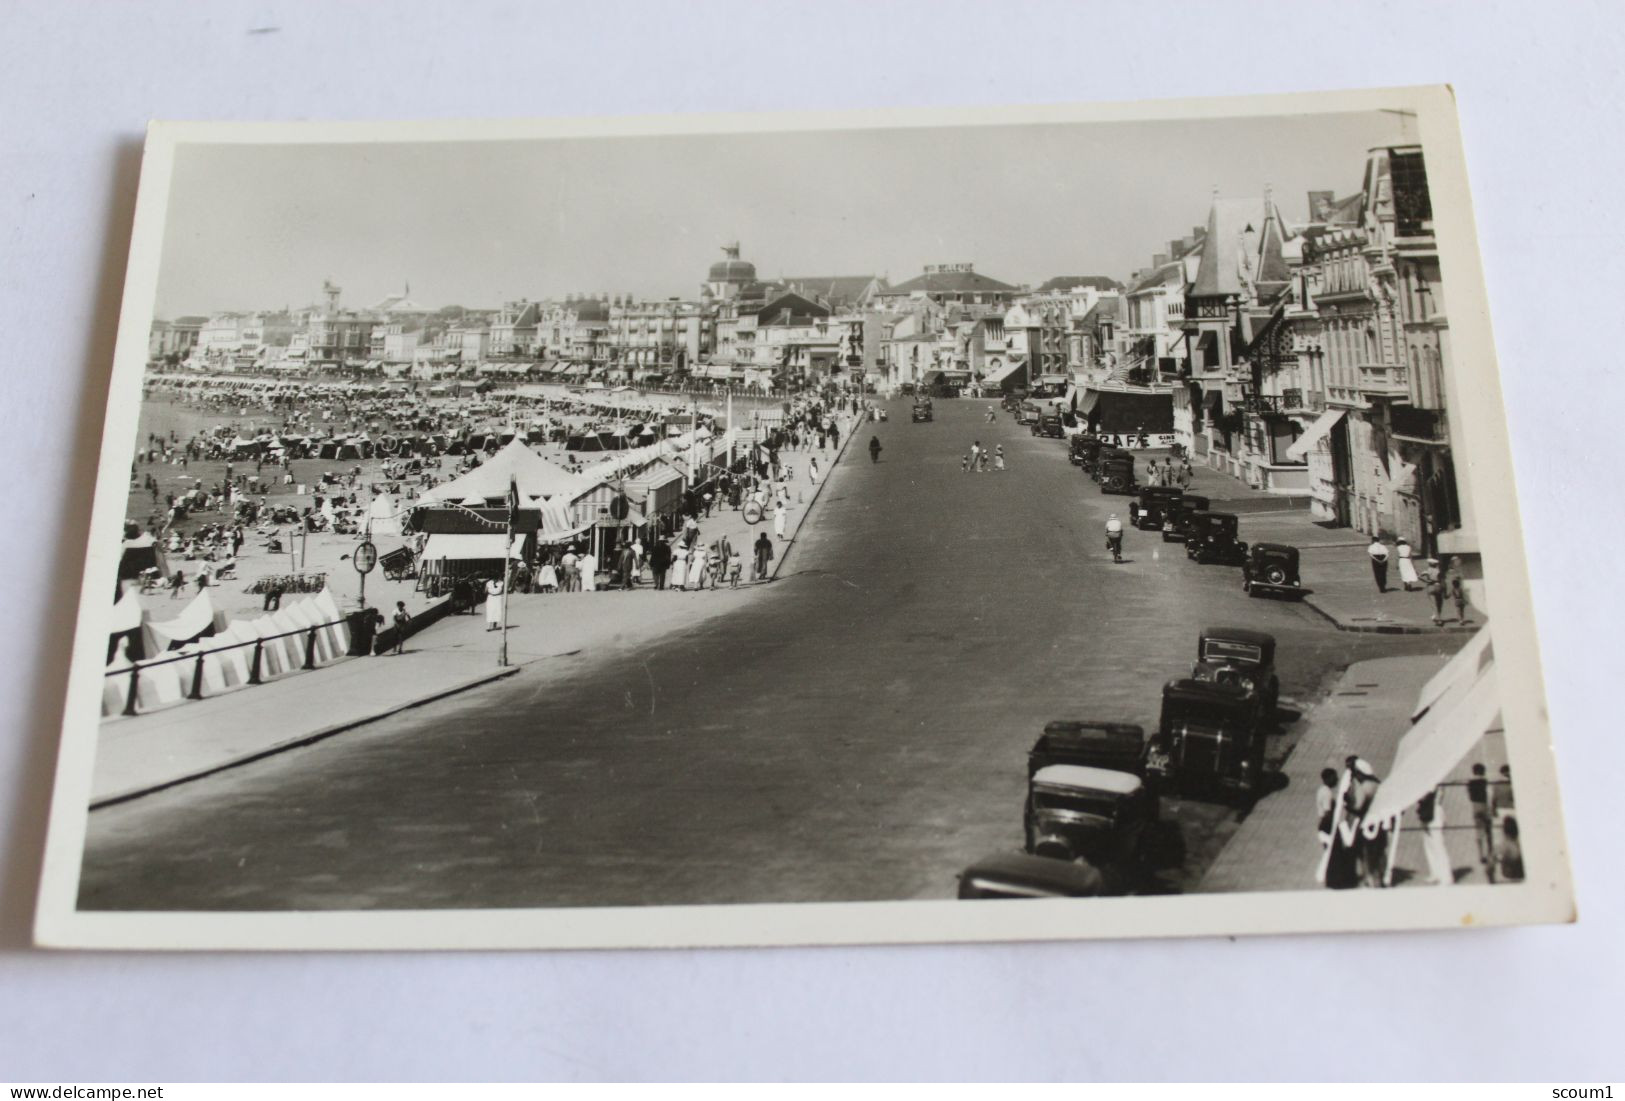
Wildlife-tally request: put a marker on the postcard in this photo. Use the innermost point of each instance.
(805, 529)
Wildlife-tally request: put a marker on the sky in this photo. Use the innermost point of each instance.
(478, 223)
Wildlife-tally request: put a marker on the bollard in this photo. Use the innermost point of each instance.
(254, 668)
(135, 677)
(197, 680)
(310, 649)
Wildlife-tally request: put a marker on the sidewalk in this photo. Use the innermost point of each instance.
(1336, 569)
(1366, 712)
(149, 752)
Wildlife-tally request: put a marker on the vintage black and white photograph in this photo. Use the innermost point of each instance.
(754, 530)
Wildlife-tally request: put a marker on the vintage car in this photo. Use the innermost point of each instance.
(1050, 424)
(1012, 400)
(1271, 568)
(1152, 505)
(1177, 517)
(1097, 815)
(1021, 875)
(1114, 745)
(1240, 656)
(1029, 411)
(1208, 738)
(1081, 447)
(922, 411)
(1211, 537)
(1116, 472)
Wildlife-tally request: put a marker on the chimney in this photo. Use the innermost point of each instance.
(1158, 260)
(1175, 247)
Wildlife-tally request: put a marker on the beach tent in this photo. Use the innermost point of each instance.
(381, 516)
(198, 619)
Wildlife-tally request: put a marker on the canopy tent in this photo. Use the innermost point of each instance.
(1432, 748)
(1467, 663)
(1316, 432)
(537, 479)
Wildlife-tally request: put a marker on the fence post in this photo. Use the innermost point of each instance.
(135, 677)
(310, 649)
(254, 669)
(197, 680)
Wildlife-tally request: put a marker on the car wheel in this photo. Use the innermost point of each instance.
(1275, 575)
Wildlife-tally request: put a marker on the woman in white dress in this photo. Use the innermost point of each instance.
(547, 578)
(588, 564)
(1407, 568)
(696, 568)
(812, 470)
(679, 564)
(495, 597)
(779, 516)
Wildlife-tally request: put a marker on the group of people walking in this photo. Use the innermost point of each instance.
(1441, 582)
(980, 458)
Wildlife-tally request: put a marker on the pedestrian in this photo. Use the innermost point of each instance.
(1436, 588)
(587, 564)
(998, 457)
(697, 568)
(691, 532)
(571, 564)
(709, 499)
(403, 621)
(763, 555)
(1510, 856)
(1502, 805)
(1478, 795)
(1152, 473)
(1430, 812)
(780, 515)
(1379, 562)
(495, 601)
(1372, 843)
(812, 470)
(1458, 590)
(177, 584)
(964, 463)
(1325, 807)
(874, 449)
(547, 577)
(736, 567)
(1407, 568)
(679, 566)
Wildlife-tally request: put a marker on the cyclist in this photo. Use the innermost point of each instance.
(1114, 537)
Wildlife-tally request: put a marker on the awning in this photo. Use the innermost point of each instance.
(1315, 433)
(1430, 751)
(1087, 403)
(1468, 663)
(462, 548)
(1004, 372)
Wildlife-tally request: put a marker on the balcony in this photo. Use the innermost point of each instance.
(1294, 400)
(1382, 380)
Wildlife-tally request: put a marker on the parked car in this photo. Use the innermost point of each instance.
(1177, 517)
(1012, 400)
(1271, 568)
(1241, 655)
(1208, 738)
(1114, 745)
(1021, 875)
(1116, 472)
(1211, 537)
(1029, 412)
(1097, 815)
(1050, 425)
(922, 412)
(906, 389)
(1080, 447)
(1153, 503)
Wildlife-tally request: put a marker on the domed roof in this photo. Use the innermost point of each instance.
(732, 271)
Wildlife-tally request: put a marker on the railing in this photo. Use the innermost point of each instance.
(254, 676)
(1382, 378)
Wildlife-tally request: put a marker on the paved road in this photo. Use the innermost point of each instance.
(859, 733)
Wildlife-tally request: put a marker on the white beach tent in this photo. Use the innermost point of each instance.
(537, 479)
(381, 516)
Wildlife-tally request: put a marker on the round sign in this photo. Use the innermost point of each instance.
(366, 557)
(618, 508)
(753, 512)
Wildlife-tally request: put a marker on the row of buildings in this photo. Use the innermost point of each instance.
(1308, 358)
(1304, 357)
